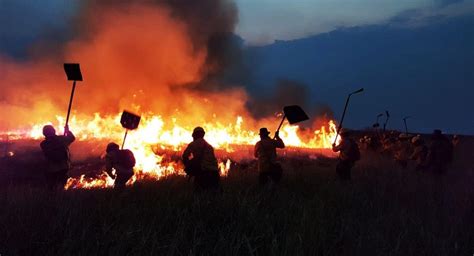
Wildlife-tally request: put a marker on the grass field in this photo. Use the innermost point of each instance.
(383, 211)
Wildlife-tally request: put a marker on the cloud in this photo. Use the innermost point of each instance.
(263, 21)
(448, 2)
(425, 16)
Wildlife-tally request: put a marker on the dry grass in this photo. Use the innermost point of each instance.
(383, 211)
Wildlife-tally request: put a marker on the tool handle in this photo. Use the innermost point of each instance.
(124, 138)
(70, 105)
(342, 118)
(281, 123)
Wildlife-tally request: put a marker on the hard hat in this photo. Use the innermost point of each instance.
(403, 136)
(198, 132)
(198, 129)
(263, 131)
(48, 131)
(112, 147)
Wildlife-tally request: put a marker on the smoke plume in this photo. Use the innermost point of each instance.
(139, 55)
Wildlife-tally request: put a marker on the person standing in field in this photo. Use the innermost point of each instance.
(201, 163)
(403, 150)
(420, 153)
(440, 152)
(56, 151)
(455, 141)
(265, 152)
(348, 154)
(120, 160)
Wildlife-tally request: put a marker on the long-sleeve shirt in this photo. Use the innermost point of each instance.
(56, 150)
(112, 160)
(201, 151)
(265, 151)
(419, 154)
(344, 148)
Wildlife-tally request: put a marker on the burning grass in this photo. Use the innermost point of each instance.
(384, 211)
(157, 145)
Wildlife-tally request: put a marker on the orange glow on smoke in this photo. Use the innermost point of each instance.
(138, 57)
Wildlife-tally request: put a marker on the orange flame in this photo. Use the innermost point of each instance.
(139, 57)
(155, 134)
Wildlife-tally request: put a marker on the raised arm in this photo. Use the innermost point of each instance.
(279, 143)
(69, 136)
(338, 147)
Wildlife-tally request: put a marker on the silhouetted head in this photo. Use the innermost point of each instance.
(264, 133)
(344, 133)
(49, 131)
(403, 136)
(198, 133)
(111, 147)
(437, 134)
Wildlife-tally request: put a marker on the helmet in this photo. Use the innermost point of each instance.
(48, 131)
(263, 131)
(112, 147)
(416, 139)
(403, 136)
(198, 132)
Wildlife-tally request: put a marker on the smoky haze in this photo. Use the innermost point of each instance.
(172, 58)
(138, 55)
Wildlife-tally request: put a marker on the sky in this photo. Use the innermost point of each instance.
(263, 21)
(260, 21)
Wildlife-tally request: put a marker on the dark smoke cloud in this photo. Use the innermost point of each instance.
(289, 92)
(286, 92)
(211, 25)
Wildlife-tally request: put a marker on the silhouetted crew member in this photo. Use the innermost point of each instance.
(123, 161)
(200, 162)
(265, 151)
(403, 150)
(440, 152)
(348, 154)
(420, 153)
(456, 140)
(56, 150)
(388, 145)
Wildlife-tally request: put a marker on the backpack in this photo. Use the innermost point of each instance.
(55, 151)
(354, 153)
(126, 158)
